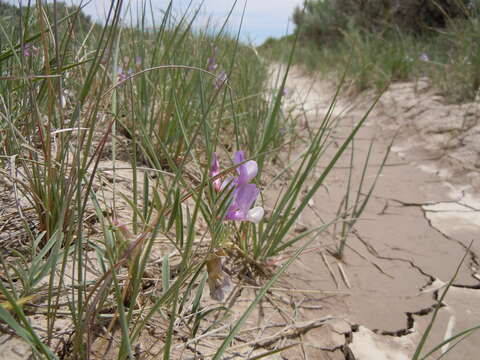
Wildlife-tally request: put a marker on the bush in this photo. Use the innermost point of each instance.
(325, 20)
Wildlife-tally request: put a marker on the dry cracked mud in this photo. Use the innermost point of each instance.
(423, 217)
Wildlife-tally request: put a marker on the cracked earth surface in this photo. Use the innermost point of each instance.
(422, 216)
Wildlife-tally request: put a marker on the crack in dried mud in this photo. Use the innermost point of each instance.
(474, 258)
(375, 253)
(471, 253)
(410, 316)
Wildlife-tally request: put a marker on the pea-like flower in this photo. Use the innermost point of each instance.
(212, 61)
(220, 80)
(246, 171)
(244, 193)
(214, 171)
(28, 49)
(123, 74)
(424, 57)
(244, 197)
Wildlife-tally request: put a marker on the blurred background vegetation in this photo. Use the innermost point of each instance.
(380, 41)
(10, 16)
(327, 20)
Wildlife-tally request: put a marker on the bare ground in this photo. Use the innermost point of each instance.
(421, 218)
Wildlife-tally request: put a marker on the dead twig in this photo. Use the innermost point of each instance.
(291, 331)
(330, 270)
(344, 275)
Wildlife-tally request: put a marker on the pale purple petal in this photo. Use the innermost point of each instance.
(255, 214)
(215, 168)
(26, 49)
(238, 157)
(212, 64)
(214, 171)
(244, 197)
(234, 213)
(424, 57)
(246, 171)
(242, 194)
(121, 74)
(212, 61)
(220, 80)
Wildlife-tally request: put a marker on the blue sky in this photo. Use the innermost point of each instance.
(263, 18)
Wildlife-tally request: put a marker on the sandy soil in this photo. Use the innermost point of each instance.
(421, 218)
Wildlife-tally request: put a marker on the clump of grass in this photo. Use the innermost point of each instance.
(373, 61)
(454, 60)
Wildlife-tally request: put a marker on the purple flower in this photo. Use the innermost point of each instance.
(214, 171)
(240, 208)
(212, 62)
(28, 49)
(423, 57)
(123, 75)
(246, 171)
(220, 80)
(243, 194)
(212, 65)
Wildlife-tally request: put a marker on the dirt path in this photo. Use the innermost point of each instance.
(415, 230)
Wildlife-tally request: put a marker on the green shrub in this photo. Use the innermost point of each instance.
(455, 68)
(325, 20)
(380, 41)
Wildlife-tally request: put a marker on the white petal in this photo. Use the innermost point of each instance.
(255, 214)
(251, 168)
